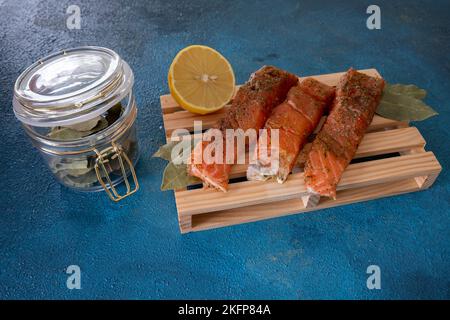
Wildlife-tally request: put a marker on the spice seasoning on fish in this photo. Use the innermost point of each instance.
(296, 118)
(357, 97)
(250, 108)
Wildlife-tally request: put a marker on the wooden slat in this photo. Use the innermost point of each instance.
(378, 123)
(389, 141)
(423, 182)
(239, 194)
(357, 175)
(263, 211)
(185, 222)
(311, 200)
(169, 105)
(374, 143)
(185, 120)
(400, 140)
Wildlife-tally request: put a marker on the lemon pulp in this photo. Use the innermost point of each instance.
(201, 80)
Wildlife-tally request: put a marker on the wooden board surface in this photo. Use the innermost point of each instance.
(191, 202)
(294, 206)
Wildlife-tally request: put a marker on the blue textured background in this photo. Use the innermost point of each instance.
(134, 249)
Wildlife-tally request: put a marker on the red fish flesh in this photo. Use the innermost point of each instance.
(357, 97)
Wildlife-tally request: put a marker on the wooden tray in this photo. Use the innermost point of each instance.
(398, 164)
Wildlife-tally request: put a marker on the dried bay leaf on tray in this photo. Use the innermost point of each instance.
(183, 150)
(403, 103)
(414, 111)
(165, 151)
(177, 177)
(406, 89)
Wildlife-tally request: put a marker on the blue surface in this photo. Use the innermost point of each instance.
(134, 249)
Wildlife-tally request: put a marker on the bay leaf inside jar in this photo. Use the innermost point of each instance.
(80, 172)
(87, 128)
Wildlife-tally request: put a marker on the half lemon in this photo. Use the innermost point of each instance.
(201, 80)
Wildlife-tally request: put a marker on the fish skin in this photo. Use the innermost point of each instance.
(266, 88)
(357, 97)
(295, 118)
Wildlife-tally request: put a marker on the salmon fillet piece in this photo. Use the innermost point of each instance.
(253, 103)
(357, 98)
(296, 118)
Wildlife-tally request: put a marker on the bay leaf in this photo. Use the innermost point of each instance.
(403, 103)
(184, 151)
(177, 177)
(114, 113)
(69, 164)
(82, 181)
(85, 125)
(66, 133)
(78, 172)
(165, 151)
(63, 133)
(410, 90)
(102, 124)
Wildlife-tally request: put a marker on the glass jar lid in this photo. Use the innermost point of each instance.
(71, 86)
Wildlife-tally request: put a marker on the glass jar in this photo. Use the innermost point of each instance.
(78, 108)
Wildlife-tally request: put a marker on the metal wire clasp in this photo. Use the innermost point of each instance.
(113, 152)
